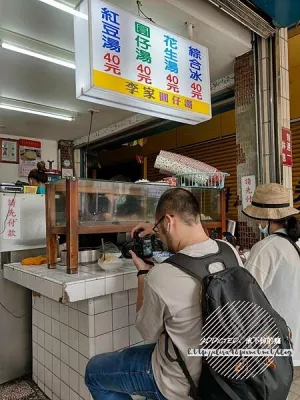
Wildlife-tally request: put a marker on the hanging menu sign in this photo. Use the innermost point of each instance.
(136, 65)
(30, 155)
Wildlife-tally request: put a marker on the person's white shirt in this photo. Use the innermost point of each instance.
(275, 264)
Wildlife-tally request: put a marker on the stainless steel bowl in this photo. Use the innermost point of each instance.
(85, 256)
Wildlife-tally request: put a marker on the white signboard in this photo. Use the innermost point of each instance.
(127, 62)
(67, 173)
(10, 227)
(248, 188)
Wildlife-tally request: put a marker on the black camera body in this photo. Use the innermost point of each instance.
(142, 247)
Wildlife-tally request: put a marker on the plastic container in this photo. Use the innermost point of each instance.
(30, 189)
(111, 265)
(41, 190)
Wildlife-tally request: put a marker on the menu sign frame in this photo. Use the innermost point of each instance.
(30, 154)
(127, 62)
(9, 151)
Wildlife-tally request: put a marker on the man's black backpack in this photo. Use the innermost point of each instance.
(256, 378)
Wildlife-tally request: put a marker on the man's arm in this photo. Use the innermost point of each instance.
(140, 266)
(150, 308)
(147, 229)
(140, 293)
(151, 315)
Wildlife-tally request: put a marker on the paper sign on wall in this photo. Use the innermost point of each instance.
(10, 218)
(248, 188)
(30, 155)
(128, 62)
(287, 159)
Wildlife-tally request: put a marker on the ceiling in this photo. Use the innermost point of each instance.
(36, 81)
(283, 13)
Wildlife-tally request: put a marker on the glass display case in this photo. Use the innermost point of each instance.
(84, 206)
(102, 203)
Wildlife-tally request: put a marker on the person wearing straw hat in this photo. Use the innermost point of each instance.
(274, 261)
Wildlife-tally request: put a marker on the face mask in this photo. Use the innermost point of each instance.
(264, 231)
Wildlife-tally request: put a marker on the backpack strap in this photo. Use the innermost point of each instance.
(198, 267)
(227, 389)
(283, 235)
(179, 360)
(193, 388)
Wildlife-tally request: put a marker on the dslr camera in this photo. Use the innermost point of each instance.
(142, 247)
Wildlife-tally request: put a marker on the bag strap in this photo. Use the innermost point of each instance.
(179, 360)
(227, 389)
(193, 388)
(198, 267)
(283, 235)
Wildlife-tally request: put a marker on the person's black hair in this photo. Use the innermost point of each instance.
(181, 202)
(39, 173)
(120, 178)
(292, 227)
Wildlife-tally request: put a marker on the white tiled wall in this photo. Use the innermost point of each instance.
(65, 337)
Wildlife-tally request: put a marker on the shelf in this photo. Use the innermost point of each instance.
(134, 190)
(116, 228)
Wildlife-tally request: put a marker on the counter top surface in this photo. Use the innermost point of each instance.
(57, 285)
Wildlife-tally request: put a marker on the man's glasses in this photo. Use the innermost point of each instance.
(155, 230)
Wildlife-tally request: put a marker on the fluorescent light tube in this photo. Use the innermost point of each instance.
(67, 9)
(41, 56)
(36, 112)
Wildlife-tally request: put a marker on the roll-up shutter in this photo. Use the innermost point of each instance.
(220, 153)
(295, 128)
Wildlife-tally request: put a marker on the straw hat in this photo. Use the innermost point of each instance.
(270, 202)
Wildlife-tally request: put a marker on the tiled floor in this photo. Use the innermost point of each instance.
(295, 389)
(21, 389)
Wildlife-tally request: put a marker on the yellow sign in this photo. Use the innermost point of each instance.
(127, 87)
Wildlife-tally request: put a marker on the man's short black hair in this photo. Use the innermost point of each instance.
(179, 201)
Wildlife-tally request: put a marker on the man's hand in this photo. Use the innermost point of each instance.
(147, 229)
(139, 263)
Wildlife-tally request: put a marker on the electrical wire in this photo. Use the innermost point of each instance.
(90, 130)
(141, 12)
(11, 313)
(88, 141)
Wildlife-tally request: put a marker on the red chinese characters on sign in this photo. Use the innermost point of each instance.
(10, 216)
(248, 188)
(144, 74)
(12, 220)
(286, 151)
(196, 91)
(112, 64)
(173, 83)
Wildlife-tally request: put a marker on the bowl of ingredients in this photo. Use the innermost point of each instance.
(110, 262)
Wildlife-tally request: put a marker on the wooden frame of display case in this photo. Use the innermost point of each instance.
(73, 228)
(212, 225)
